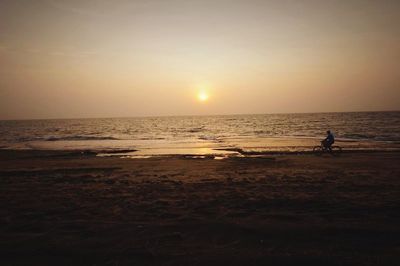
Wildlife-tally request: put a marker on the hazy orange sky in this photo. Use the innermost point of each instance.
(98, 58)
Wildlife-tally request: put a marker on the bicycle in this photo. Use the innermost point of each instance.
(335, 150)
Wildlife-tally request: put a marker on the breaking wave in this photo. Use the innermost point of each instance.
(79, 138)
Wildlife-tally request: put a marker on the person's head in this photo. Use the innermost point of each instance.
(328, 132)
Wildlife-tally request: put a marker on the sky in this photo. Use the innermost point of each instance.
(100, 58)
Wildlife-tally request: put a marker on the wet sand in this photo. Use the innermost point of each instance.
(68, 208)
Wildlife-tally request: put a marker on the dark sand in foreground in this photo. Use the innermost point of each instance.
(61, 208)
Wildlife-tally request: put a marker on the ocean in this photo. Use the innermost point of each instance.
(204, 134)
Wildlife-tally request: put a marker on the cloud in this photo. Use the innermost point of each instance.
(60, 5)
(71, 54)
(99, 8)
(59, 53)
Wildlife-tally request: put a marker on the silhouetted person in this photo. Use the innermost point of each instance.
(328, 141)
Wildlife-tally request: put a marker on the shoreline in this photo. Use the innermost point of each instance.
(203, 146)
(224, 152)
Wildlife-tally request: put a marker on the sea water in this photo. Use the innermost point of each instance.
(205, 134)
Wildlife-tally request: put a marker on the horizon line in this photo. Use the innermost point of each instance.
(196, 115)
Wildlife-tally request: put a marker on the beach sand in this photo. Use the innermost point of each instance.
(71, 208)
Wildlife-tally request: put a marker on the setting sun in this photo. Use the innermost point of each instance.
(202, 96)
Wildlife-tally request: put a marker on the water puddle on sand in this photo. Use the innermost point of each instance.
(189, 153)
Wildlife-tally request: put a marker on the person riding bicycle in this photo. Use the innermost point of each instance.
(328, 141)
